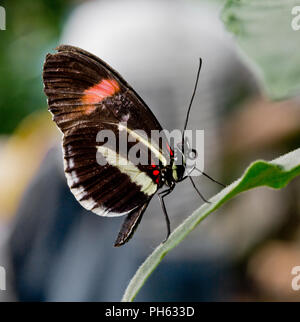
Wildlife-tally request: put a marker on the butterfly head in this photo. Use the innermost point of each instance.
(182, 153)
(178, 165)
(177, 172)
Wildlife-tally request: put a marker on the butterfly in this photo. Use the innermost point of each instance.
(85, 96)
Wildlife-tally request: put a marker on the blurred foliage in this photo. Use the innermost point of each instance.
(264, 32)
(32, 29)
(30, 142)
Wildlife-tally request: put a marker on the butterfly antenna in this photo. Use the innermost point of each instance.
(191, 102)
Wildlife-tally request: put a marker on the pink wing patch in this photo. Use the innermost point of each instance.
(98, 92)
(170, 150)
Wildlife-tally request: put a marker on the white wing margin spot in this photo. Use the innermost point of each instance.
(136, 176)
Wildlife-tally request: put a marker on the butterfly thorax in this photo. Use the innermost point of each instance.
(175, 171)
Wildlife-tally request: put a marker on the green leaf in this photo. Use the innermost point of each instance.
(264, 31)
(275, 174)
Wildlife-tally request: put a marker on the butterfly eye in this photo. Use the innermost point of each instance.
(192, 154)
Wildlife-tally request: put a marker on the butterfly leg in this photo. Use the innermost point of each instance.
(193, 183)
(161, 197)
(199, 193)
(209, 177)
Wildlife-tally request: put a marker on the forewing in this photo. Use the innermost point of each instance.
(81, 88)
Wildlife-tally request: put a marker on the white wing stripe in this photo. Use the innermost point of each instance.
(150, 146)
(137, 176)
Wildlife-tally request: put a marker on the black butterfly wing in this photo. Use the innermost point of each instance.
(129, 225)
(86, 96)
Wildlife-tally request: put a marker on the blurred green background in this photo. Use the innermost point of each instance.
(32, 29)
